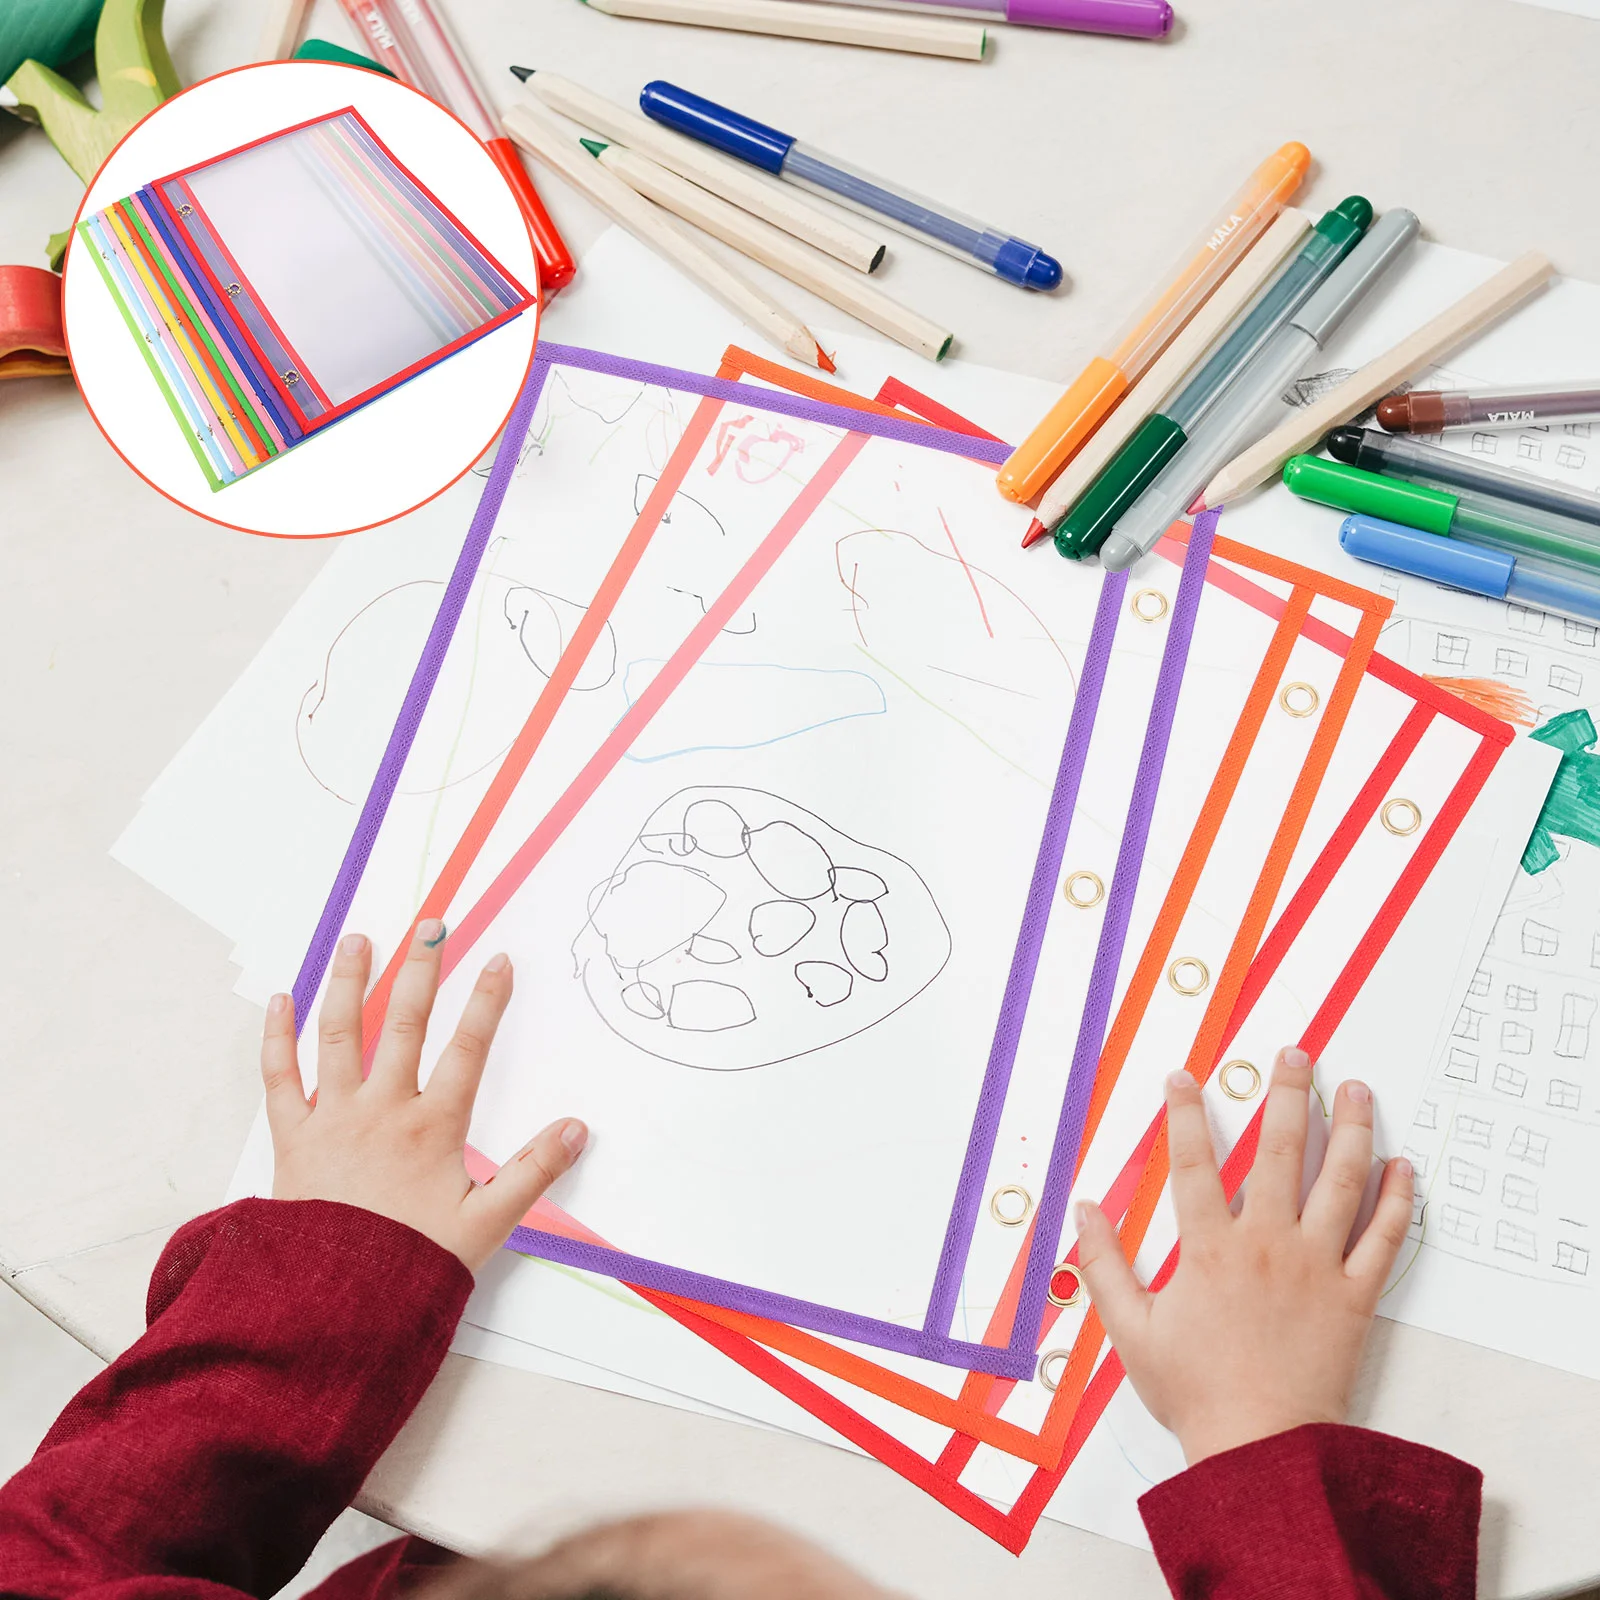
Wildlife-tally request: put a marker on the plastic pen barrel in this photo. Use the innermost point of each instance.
(1431, 410)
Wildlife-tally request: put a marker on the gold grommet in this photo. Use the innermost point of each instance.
(1083, 889)
(1149, 605)
(291, 376)
(1048, 1378)
(1007, 1191)
(1189, 975)
(1230, 1074)
(1401, 816)
(1077, 1285)
(1299, 699)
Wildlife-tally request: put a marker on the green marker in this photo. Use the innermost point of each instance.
(1473, 518)
(1159, 438)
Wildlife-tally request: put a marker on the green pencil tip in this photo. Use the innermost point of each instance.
(522, 74)
(593, 146)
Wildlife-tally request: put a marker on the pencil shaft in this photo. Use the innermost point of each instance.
(780, 204)
(805, 19)
(774, 248)
(648, 224)
(1508, 288)
(280, 34)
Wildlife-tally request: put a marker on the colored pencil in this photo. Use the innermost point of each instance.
(549, 144)
(281, 31)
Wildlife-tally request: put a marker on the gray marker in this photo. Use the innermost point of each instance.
(1251, 403)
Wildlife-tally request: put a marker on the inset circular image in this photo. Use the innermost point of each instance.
(300, 299)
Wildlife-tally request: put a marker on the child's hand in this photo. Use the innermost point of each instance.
(382, 1144)
(1262, 1325)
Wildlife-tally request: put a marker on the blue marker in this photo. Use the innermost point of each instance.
(779, 153)
(1546, 586)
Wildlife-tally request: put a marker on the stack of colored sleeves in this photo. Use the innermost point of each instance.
(279, 287)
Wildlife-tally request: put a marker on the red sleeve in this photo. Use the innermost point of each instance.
(287, 1343)
(1320, 1513)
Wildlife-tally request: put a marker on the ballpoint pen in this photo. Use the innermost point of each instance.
(1102, 384)
(1080, 528)
(1429, 463)
(1430, 410)
(1461, 563)
(1254, 398)
(784, 156)
(1493, 523)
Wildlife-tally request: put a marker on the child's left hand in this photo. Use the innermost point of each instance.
(383, 1144)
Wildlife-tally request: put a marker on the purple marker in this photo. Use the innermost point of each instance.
(1138, 19)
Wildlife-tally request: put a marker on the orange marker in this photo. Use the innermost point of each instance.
(1107, 378)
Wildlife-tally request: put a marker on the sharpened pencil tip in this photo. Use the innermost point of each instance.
(522, 74)
(825, 361)
(1036, 531)
(594, 147)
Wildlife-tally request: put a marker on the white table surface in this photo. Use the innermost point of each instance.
(129, 1067)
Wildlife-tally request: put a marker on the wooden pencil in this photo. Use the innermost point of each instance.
(774, 248)
(1434, 340)
(1174, 364)
(778, 203)
(280, 35)
(806, 19)
(549, 144)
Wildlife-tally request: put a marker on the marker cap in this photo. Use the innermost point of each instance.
(1331, 483)
(1347, 221)
(1426, 555)
(715, 125)
(1139, 19)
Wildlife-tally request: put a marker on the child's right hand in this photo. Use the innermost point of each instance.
(1261, 1327)
(383, 1144)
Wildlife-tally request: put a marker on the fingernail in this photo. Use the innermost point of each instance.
(1080, 1215)
(1358, 1092)
(431, 932)
(277, 1004)
(574, 1136)
(352, 944)
(1293, 1056)
(1179, 1079)
(497, 963)
(1402, 1167)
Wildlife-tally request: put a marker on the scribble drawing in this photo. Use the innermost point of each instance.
(1578, 430)
(1419, 1212)
(1594, 952)
(1468, 1023)
(1513, 1239)
(1427, 1115)
(739, 930)
(1481, 980)
(1565, 679)
(1522, 619)
(1484, 444)
(1477, 1131)
(1511, 663)
(593, 402)
(1467, 1176)
(1519, 1194)
(480, 701)
(1516, 1038)
(1419, 1161)
(1572, 1038)
(1458, 1224)
(759, 449)
(1572, 1257)
(1519, 997)
(1450, 649)
(700, 551)
(1529, 1145)
(744, 706)
(1529, 449)
(1564, 1095)
(1510, 1080)
(1581, 634)
(1462, 1065)
(1570, 456)
(1308, 390)
(1539, 939)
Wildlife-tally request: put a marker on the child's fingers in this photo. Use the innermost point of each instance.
(506, 1198)
(1196, 1187)
(1273, 1188)
(1379, 1245)
(339, 1021)
(453, 1084)
(280, 1068)
(1335, 1198)
(1118, 1296)
(405, 1023)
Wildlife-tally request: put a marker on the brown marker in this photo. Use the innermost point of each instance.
(1433, 410)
